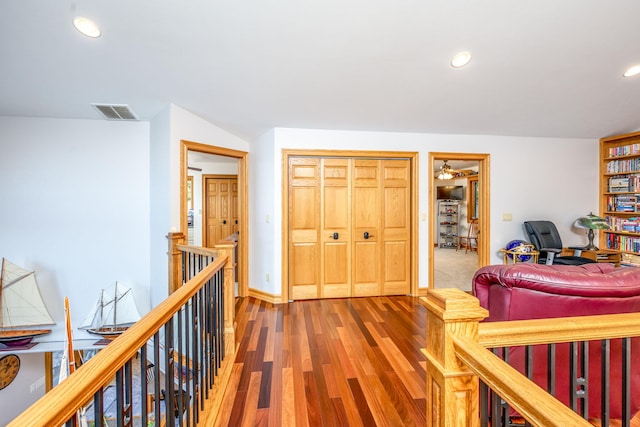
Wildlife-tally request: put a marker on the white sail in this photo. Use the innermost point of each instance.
(115, 307)
(20, 300)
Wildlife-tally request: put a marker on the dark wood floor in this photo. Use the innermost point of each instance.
(355, 362)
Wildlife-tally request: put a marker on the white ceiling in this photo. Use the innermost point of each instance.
(539, 68)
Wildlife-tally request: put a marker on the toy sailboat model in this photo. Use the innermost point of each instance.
(21, 306)
(113, 313)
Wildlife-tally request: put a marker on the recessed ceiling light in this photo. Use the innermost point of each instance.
(461, 59)
(632, 71)
(86, 27)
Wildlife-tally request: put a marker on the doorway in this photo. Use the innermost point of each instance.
(477, 168)
(191, 222)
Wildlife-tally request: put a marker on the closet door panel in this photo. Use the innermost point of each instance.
(366, 228)
(335, 229)
(396, 225)
(304, 226)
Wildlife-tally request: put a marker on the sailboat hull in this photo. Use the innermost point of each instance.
(19, 337)
(109, 333)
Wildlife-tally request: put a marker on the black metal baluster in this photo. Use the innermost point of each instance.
(605, 376)
(128, 391)
(98, 408)
(626, 381)
(156, 376)
(169, 374)
(119, 398)
(484, 404)
(144, 386)
(180, 368)
(193, 360)
(584, 380)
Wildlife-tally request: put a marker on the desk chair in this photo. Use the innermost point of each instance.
(545, 238)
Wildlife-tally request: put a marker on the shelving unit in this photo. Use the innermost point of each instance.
(448, 224)
(620, 192)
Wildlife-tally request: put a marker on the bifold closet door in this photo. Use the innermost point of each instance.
(349, 231)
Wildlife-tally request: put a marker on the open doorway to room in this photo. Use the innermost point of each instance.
(458, 203)
(213, 186)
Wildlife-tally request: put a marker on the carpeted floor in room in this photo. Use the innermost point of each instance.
(454, 269)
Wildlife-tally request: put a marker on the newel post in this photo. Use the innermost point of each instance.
(227, 248)
(452, 389)
(175, 260)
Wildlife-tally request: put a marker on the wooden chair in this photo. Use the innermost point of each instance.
(470, 241)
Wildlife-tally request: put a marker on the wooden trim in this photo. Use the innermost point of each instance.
(265, 296)
(410, 155)
(243, 201)
(484, 223)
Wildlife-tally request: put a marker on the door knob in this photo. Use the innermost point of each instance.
(367, 235)
(224, 221)
(334, 236)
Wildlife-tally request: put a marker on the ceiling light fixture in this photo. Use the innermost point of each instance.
(445, 171)
(86, 27)
(632, 71)
(460, 59)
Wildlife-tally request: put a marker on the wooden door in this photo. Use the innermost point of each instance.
(335, 235)
(304, 228)
(349, 227)
(396, 227)
(220, 205)
(367, 269)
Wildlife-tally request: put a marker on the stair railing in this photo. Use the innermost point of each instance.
(182, 350)
(459, 358)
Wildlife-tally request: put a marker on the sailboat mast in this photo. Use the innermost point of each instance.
(115, 307)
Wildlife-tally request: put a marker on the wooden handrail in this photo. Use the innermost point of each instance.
(531, 401)
(198, 250)
(64, 400)
(547, 331)
(458, 357)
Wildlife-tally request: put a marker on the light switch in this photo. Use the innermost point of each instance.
(506, 217)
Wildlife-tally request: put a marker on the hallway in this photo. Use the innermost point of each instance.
(329, 362)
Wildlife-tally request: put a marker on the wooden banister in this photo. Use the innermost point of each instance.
(458, 357)
(532, 402)
(452, 389)
(64, 400)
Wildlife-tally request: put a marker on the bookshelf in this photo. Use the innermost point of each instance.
(448, 223)
(620, 193)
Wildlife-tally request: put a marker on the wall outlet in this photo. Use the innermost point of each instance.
(268, 278)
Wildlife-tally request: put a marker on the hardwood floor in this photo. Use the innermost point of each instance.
(353, 362)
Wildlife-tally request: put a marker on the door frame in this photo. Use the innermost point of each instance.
(243, 202)
(484, 223)
(413, 209)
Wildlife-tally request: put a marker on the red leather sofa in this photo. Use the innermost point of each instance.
(535, 291)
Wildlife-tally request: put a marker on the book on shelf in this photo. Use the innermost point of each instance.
(631, 260)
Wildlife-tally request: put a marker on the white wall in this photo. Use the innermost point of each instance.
(531, 178)
(75, 208)
(179, 124)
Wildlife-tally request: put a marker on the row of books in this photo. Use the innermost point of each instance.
(623, 204)
(625, 150)
(631, 225)
(630, 260)
(624, 184)
(623, 166)
(623, 243)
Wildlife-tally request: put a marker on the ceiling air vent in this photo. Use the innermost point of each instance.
(115, 112)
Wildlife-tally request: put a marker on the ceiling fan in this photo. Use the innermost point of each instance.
(446, 172)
